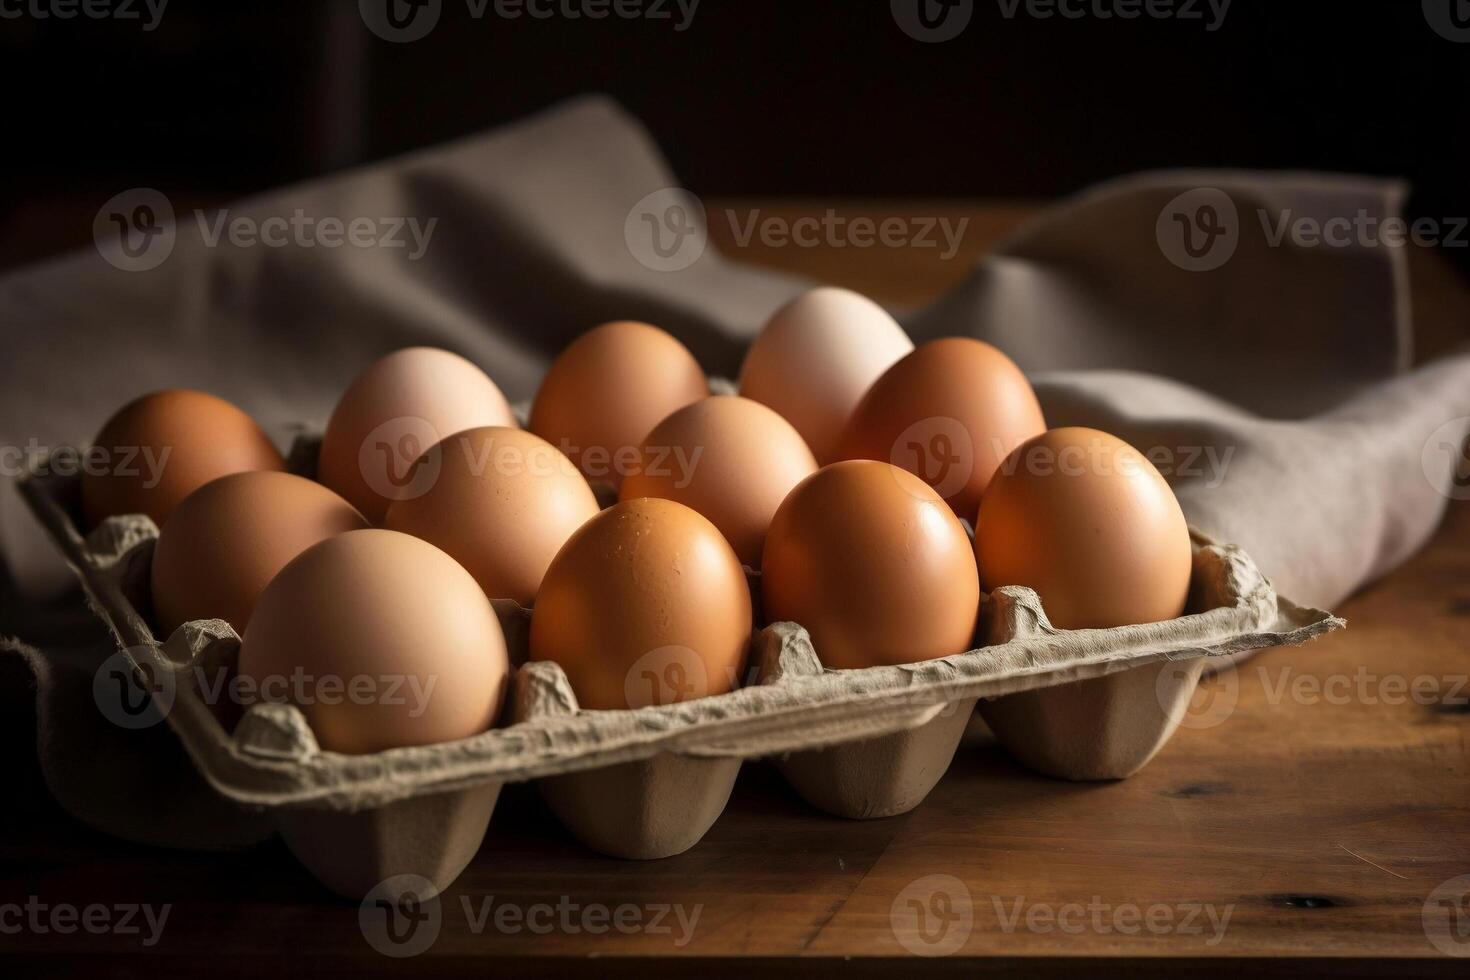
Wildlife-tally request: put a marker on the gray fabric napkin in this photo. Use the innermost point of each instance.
(1274, 382)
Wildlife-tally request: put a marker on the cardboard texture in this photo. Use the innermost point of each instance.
(648, 783)
(1104, 728)
(880, 777)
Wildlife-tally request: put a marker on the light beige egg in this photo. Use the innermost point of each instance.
(382, 640)
(815, 359)
(392, 413)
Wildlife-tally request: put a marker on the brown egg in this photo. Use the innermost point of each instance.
(162, 447)
(732, 459)
(228, 539)
(949, 412)
(1087, 521)
(816, 357)
(646, 604)
(392, 413)
(502, 504)
(382, 641)
(608, 390)
(875, 566)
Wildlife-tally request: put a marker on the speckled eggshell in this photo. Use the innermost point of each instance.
(875, 566)
(646, 604)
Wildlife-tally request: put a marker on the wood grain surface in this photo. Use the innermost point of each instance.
(1301, 820)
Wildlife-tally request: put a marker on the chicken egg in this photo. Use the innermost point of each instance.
(162, 447)
(873, 563)
(607, 391)
(949, 413)
(225, 542)
(382, 641)
(392, 413)
(1086, 521)
(816, 357)
(646, 604)
(732, 459)
(501, 502)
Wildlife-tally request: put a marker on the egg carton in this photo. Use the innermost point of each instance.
(648, 783)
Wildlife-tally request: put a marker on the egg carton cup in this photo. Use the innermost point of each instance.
(647, 783)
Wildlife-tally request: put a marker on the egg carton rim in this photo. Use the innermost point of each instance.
(272, 760)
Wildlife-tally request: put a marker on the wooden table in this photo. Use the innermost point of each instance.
(1319, 815)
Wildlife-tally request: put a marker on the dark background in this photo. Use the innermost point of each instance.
(815, 98)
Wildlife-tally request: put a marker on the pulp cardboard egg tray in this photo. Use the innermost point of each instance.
(648, 783)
